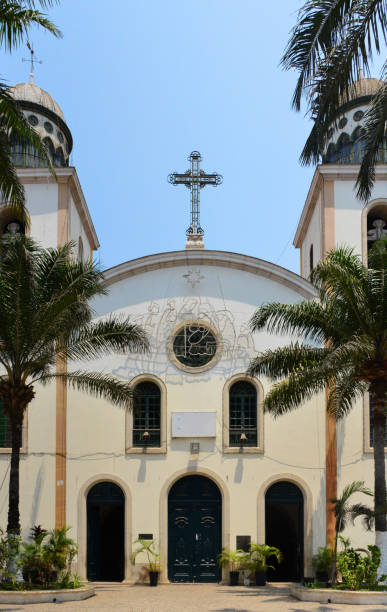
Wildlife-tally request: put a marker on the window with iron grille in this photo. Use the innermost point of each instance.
(243, 414)
(5, 429)
(146, 414)
(372, 425)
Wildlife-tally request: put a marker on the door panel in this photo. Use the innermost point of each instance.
(180, 551)
(207, 543)
(194, 531)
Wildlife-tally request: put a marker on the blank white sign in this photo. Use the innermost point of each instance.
(193, 424)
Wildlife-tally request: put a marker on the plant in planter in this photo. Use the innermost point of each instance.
(232, 559)
(44, 562)
(257, 560)
(149, 549)
(322, 563)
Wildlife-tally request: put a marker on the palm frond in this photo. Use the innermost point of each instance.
(11, 190)
(310, 320)
(365, 513)
(284, 361)
(311, 38)
(97, 385)
(16, 20)
(292, 392)
(375, 140)
(336, 63)
(113, 335)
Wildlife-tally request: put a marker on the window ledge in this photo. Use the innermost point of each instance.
(8, 451)
(246, 450)
(146, 450)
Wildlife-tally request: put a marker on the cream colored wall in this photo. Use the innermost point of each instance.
(42, 204)
(76, 229)
(348, 212)
(37, 466)
(158, 300)
(313, 236)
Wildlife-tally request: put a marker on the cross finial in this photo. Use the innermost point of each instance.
(195, 179)
(33, 61)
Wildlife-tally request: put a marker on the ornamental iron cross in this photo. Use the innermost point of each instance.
(195, 179)
(32, 61)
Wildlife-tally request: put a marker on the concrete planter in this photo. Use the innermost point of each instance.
(340, 597)
(54, 596)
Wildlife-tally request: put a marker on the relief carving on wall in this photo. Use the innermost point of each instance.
(163, 316)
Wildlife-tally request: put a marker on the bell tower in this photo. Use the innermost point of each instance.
(332, 215)
(56, 204)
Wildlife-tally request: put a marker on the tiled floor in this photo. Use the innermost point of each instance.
(191, 598)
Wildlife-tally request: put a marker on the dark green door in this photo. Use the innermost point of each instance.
(284, 511)
(194, 530)
(105, 532)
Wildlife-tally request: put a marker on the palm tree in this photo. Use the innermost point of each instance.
(330, 42)
(343, 349)
(16, 20)
(344, 512)
(45, 318)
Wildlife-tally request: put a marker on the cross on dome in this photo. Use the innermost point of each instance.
(32, 61)
(195, 179)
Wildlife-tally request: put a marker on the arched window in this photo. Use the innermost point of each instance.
(50, 149)
(146, 414)
(331, 154)
(243, 414)
(311, 258)
(59, 158)
(343, 149)
(358, 144)
(376, 224)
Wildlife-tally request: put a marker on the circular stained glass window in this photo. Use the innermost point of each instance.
(194, 345)
(48, 127)
(60, 136)
(33, 120)
(358, 115)
(343, 122)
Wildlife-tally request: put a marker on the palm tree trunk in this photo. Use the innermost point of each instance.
(14, 486)
(379, 424)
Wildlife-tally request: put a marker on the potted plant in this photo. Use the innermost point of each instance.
(149, 549)
(322, 563)
(232, 559)
(257, 558)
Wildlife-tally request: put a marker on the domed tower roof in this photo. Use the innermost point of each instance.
(362, 89)
(27, 92)
(46, 117)
(345, 143)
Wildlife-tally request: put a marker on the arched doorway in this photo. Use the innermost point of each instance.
(105, 532)
(284, 511)
(194, 530)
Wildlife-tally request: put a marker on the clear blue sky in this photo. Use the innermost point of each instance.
(142, 84)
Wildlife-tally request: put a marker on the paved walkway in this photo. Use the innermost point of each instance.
(191, 598)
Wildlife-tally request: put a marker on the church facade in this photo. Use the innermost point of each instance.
(196, 464)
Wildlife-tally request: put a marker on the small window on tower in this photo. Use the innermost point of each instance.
(311, 258)
(376, 224)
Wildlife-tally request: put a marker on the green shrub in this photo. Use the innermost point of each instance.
(360, 571)
(46, 558)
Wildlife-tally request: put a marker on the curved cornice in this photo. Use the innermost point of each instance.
(224, 259)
